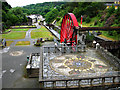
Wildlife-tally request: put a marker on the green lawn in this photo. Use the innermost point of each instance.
(9, 43)
(17, 30)
(113, 38)
(14, 35)
(35, 35)
(41, 33)
(26, 26)
(22, 43)
(41, 29)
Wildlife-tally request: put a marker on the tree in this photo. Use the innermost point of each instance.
(12, 16)
(4, 16)
(50, 16)
(111, 10)
(62, 13)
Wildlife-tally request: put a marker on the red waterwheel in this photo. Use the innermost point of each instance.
(68, 31)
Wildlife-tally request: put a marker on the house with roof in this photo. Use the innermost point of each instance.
(116, 4)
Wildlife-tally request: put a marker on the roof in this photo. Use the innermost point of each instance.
(112, 4)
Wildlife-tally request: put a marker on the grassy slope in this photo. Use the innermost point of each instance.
(107, 36)
(104, 33)
(91, 24)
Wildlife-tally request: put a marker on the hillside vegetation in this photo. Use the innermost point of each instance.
(42, 8)
(12, 16)
(94, 14)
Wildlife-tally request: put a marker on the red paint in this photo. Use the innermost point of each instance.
(81, 19)
(68, 23)
(100, 66)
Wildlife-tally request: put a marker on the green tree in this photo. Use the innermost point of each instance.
(50, 16)
(87, 20)
(4, 16)
(111, 10)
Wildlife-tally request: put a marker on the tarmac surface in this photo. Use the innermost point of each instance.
(13, 68)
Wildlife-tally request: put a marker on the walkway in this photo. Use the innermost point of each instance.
(27, 37)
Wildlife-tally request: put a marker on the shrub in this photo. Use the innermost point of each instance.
(89, 37)
(110, 20)
(96, 22)
(87, 19)
(58, 19)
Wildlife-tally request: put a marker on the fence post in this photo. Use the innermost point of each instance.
(79, 84)
(113, 80)
(54, 84)
(91, 80)
(103, 81)
(66, 84)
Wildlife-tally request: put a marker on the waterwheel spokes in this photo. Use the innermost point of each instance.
(68, 33)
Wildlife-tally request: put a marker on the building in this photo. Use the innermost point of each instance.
(34, 18)
(116, 3)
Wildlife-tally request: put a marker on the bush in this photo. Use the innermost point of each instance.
(87, 19)
(89, 37)
(110, 20)
(58, 19)
(96, 22)
(111, 10)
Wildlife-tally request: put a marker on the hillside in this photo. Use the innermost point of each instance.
(42, 8)
(12, 16)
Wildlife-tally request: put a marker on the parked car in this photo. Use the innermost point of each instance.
(2, 43)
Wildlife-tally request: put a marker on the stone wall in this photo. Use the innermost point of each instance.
(113, 60)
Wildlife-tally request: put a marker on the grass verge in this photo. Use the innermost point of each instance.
(14, 35)
(22, 43)
(17, 30)
(41, 29)
(107, 36)
(9, 43)
(26, 26)
(41, 33)
(44, 35)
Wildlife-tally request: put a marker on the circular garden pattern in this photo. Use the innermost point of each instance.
(70, 65)
(78, 64)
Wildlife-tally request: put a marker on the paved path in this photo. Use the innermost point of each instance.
(27, 37)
